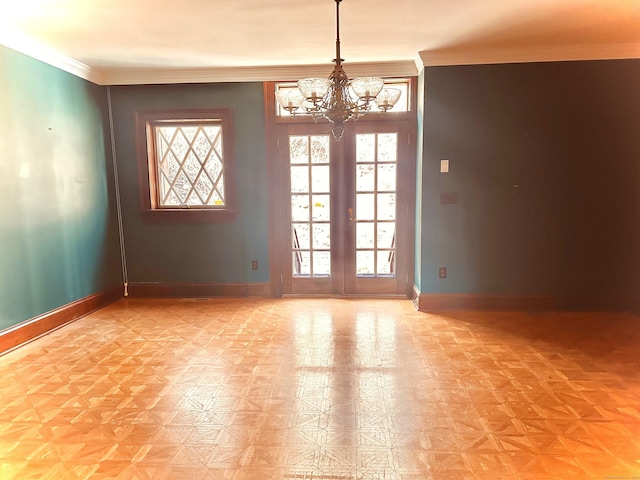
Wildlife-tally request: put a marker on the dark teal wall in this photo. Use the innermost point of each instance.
(58, 229)
(544, 161)
(197, 252)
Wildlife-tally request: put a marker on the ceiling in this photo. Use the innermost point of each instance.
(144, 41)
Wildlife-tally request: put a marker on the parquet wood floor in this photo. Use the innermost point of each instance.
(325, 389)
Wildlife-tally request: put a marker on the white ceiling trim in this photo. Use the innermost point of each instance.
(38, 51)
(254, 74)
(27, 46)
(540, 54)
(426, 58)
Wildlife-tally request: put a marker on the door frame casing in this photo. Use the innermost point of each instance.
(278, 222)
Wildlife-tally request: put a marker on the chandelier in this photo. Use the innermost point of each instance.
(333, 98)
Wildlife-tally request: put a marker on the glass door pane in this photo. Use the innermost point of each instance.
(375, 197)
(310, 197)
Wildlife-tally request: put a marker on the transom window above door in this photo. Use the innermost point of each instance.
(402, 84)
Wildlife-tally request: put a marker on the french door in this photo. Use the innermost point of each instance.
(345, 208)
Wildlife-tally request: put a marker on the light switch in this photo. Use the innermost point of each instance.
(444, 166)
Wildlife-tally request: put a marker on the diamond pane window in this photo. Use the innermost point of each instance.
(190, 167)
(188, 163)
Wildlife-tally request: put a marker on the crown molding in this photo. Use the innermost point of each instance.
(137, 76)
(433, 58)
(253, 74)
(406, 68)
(418, 62)
(21, 43)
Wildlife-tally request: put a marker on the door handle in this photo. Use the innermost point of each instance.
(351, 214)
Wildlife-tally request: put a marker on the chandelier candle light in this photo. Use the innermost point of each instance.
(332, 99)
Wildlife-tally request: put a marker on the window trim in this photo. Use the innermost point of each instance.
(146, 159)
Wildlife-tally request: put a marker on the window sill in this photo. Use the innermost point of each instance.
(185, 215)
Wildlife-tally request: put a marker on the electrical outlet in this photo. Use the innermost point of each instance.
(442, 272)
(254, 264)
